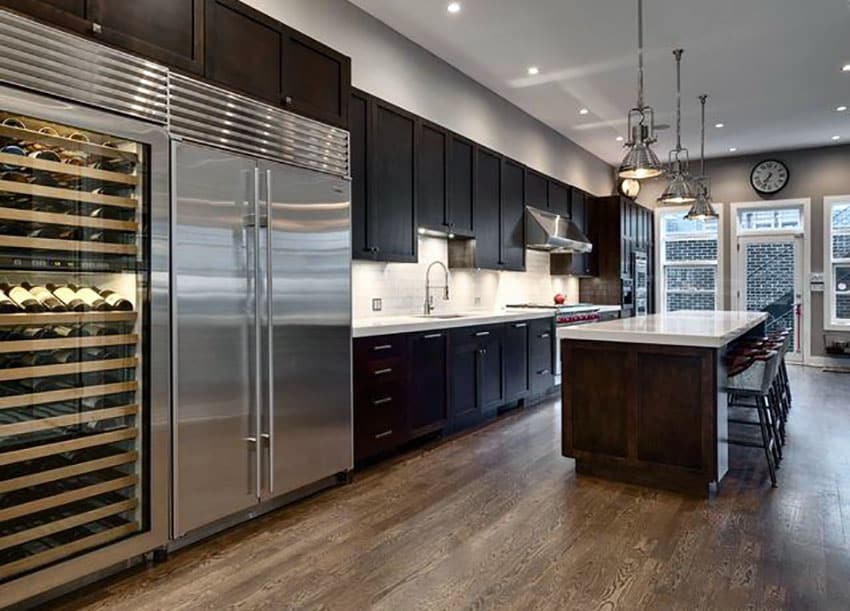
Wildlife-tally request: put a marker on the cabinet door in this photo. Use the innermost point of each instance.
(167, 31)
(428, 403)
(391, 182)
(243, 49)
(68, 14)
(432, 190)
(582, 264)
(358, 112)
(488, 189)
(513, 216)
(490, 369)
(536, 190)
(559, 198)
(464, 380)
(516, 360)
(541, 338)
(316, 79)
(461, 185)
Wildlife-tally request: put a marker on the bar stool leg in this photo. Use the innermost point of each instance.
(766, 441)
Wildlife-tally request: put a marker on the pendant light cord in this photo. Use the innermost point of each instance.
(678, 54)
(640, 54)
(702, 100)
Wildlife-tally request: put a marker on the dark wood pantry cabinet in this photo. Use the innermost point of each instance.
(167, 31)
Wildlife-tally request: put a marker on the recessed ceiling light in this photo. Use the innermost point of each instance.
(453, 7)
(583, 111)
(719, 125)
(846, 68)
(732, 149)
(836, 137)
(533, 70)
(619, 138)
(840, 108)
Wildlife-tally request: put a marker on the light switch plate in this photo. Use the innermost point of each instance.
(478, 301)
(377, 304)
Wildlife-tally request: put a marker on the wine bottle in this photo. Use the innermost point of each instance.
(7, 306)
(115, 301)
(45, 297)
(22, 297)
(90, 298)
(69, 297)
(56, 232)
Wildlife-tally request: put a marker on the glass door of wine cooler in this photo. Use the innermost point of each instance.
(75, 293)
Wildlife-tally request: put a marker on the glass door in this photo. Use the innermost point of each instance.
(74, 285)
(770, 273)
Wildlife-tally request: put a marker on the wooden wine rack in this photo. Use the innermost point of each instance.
(69, 220)
(52, 318)
(98, 341)
(52, 475)
(25, 188)
(77, 367)
(69, 394)
(75, 246)
(68, 144)
(68, 169)
(80, 443)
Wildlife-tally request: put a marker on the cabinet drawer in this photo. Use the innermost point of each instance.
(379, 347)
(379, 420)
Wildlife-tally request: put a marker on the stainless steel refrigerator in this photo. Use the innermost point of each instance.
(261, 307)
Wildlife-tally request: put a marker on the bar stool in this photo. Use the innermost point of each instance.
(751, 374)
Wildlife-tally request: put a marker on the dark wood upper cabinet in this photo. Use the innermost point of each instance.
(391, 195)
(316, 79)
(243, 49)
(536, 190)
(358, 114)
(167, 31)
(461, 185)
(584, 265)
(432, 205)
(559, 198)
(513, 216)
(68, 14)
(488, 190)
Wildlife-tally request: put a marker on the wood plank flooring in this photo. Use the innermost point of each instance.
(498, 520)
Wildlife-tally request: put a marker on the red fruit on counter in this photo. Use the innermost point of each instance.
(559, 298)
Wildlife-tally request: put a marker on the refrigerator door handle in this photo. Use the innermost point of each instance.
(269, 329)
(258, 395)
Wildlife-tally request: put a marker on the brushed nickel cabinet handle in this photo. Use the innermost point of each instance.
(520, 325)
(383, 401)
(543, 335)
(482, 334)
(543, 372)
(382, 347)
(433, 336)
(381, 372)
(384, 434)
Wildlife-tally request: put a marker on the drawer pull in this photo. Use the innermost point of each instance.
(520, 325)
(482, 334)
(433, 336)
(543, 335)
(382, 347)
(381, 372)
(384, 434)
(383, 401)
(543, 372)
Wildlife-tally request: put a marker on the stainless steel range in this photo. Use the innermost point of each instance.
(566, 316)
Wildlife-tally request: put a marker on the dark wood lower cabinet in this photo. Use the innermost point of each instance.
(541, 354)
(408, 386)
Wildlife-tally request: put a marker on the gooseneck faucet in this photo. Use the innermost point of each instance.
(429, 299)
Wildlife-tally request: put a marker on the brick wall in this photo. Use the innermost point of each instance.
(689, 301)
(691, 250)
(770, 282)
(841, 246)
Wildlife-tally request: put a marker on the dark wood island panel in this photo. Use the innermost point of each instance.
(644, 413)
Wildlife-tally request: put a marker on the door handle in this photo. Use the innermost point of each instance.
(258, 396)
(520, 325)
(384, 434)
(382, 347)
(381, 372)
(433, 336)
(269, 330)
(482, 334)
(383, 401)
(543, 335)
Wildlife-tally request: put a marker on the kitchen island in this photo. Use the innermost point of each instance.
(643, 398)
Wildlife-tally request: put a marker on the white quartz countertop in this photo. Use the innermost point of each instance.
(368, 327)
(684, 328)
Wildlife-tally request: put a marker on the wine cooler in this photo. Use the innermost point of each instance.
(84, 382)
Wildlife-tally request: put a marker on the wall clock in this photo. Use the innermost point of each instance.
(630, 187)
(769, 176)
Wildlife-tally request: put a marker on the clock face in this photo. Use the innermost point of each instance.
(769, 176)
(630, 187)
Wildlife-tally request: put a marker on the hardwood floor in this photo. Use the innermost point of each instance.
(498, 520)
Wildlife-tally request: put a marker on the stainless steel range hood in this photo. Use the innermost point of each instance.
(553, 233)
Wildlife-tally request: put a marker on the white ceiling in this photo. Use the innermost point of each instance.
(772, 68)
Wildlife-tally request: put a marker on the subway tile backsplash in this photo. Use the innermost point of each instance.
(401, 286)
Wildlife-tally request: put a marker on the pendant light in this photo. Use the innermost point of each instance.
(702, 209)
(680, 189)
(640, 161)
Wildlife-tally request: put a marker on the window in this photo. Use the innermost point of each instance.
(758, 220)
(837, 268)
(689, 253)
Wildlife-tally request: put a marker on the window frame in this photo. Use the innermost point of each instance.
(661, 264)
(831, 323)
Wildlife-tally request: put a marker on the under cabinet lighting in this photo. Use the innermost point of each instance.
(619, 138)
(583, 111)
(732, 149)
(533, 70)
(453, 7)
(846, 68)
(719, 125)
(840, 108)
(836, 137)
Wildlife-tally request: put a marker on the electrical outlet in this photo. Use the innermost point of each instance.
(377, 304)
(478, 301)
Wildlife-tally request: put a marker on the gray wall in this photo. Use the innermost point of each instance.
(392, 67)
(814, 173)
